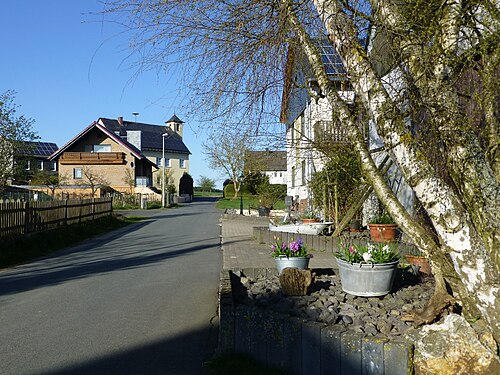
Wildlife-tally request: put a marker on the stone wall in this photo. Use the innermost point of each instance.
(300, 347)
(321, 243)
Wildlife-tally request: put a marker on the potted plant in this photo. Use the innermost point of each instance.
(418, 262)
(292, 254)
(309, 217)
(383, 228)
(367, 270)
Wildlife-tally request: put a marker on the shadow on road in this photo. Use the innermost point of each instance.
(171, 356)
(79, 262)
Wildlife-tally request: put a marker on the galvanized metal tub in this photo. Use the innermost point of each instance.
(367, 279)
(283, 262)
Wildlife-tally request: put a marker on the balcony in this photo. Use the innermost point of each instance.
(92, 158)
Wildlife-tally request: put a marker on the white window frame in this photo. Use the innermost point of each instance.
(167, 163)
(53, 166)
(39, 164)
(28, 165)
(77, 173)
(182, 163)
(100, 147)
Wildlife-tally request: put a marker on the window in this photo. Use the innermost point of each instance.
(182, 163)
(28, 165)
(101, 148)
(167, 162)
(293, 176)
(77, 173)
(53, 166)
(39, 164)
(292, 134)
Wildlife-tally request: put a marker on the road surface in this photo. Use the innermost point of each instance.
(136, 301)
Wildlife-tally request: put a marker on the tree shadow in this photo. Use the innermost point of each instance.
(182, 354)
(96, 257)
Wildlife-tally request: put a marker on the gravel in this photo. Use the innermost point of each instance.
(327, 303)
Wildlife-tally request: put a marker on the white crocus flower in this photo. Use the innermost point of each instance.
(367, 257)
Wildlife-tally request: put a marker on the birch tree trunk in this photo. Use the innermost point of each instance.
(465, 217)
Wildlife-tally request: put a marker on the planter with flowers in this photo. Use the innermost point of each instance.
(368, 271)
(383, 228)
(292, 254)
(309, 218)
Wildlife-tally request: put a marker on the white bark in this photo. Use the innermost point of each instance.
(457, 234)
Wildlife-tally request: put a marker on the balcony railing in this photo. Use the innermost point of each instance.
(92, 158)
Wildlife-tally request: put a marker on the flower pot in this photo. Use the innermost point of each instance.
(355, 225)
(367, 279)
(283, 262)
(383, 232)
(264, 211)
(310, 221)
(420, 262)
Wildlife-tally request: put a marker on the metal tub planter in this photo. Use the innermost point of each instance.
(283, 262)
(367, 279)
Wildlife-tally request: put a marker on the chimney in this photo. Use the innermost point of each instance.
(134, 137)
(120, 120)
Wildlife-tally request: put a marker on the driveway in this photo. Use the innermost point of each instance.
(136, 301)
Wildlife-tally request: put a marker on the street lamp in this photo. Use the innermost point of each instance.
(241, 194)
(163, 170)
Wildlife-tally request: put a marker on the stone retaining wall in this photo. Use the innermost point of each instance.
(300, 347)
(321, 243)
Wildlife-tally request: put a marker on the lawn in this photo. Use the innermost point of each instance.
(248, 201)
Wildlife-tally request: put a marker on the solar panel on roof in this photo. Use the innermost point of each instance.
(331, 59)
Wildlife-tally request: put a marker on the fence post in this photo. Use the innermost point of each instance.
(66, 211)
(26, 217)
(93, 208)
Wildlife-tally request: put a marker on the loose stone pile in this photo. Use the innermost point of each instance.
(327, 303)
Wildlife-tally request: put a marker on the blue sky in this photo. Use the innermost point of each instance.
(68, 69)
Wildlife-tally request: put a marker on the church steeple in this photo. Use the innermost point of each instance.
(176, 124)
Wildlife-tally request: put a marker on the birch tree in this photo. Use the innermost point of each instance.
(225, 151)
(428, 84)
(14, 130)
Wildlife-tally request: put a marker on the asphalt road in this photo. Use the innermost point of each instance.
(136, 301)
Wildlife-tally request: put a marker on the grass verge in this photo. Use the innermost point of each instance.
(230, 364)
(252, 202)
(22, 249)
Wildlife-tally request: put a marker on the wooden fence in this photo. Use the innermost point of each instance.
(18, 218)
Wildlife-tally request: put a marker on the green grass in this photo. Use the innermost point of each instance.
(22, 249)
(230, 364)
(207, 194)
(248, 201)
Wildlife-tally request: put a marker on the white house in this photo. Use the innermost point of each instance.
(308, 120)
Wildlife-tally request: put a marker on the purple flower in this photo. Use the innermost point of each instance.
(294, 246)
(273, 247)
(300, 242)
(283, 246)
(352, 250)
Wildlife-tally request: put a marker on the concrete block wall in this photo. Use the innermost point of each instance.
(304, 348)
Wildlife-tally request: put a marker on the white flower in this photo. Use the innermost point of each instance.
(386, 249)
(367, 256)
